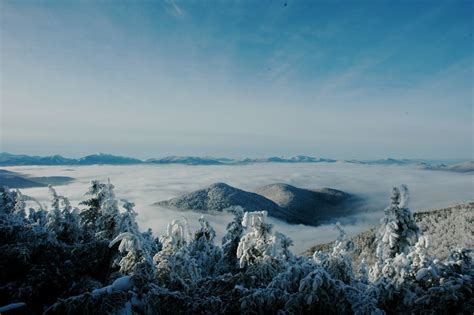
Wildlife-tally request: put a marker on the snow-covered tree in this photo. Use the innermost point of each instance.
(102, 216)
(258, 244)
(338, 262)
(137, 261)
(175, 236)
(261, 253)
(202, 250)
(20, 206)
(151, 244)
(12, 207)
(175, 268)
(61, 219)
(55, 219)
(127, 219)
(7, 200)
(398, 231)
(38, 216)
(230, 241)
(283, 244)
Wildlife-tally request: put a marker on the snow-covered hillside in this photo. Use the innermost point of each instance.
(282, 201)
(447, 229)
(311, 206)
(218, 197)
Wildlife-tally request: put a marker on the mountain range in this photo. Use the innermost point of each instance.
(7, 159)
(464, 167)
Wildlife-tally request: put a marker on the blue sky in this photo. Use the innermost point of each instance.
(342, 79)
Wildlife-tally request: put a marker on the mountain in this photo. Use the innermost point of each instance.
(386, 161)
(220, 196)
(7, 159)
(194, 160)
(189, 160)
(310, 207)
(448, 228)
(288, 203)
(17, 180)
(454, 165)
(102, 158)
(293, 159)
(465, 167)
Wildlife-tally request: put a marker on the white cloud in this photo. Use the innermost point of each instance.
(145, 185)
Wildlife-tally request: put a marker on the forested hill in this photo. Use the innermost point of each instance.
(447, 228)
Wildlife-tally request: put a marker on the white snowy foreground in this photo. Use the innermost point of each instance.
(95, 259)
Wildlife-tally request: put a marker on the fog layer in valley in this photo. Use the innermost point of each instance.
(146, 184)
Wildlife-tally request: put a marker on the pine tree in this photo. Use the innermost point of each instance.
(338, 263)
(62, 219)
(102, 216)
(202, 250)
(20, 205)
(7, 200)
(256, 245)
(398, 230)
(55, 220)
(259, 244)
(230, 241)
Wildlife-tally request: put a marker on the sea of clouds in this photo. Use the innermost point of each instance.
(146, 184)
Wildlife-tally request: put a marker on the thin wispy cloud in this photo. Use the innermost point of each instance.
(174, 8)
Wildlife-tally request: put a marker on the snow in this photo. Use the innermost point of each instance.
(253, 272)
(121, 284)
(11, 307)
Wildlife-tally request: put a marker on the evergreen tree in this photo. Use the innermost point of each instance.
(102, 216)
(202, 250)
(338, 262)
(8, 199)
(230, 241)
(55, 220)
(20, 206)
(256, 245)
(62, 219)
(398, 231)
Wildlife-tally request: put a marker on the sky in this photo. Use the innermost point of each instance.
(338, 79)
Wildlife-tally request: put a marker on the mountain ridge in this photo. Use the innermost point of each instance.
(7, 159)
